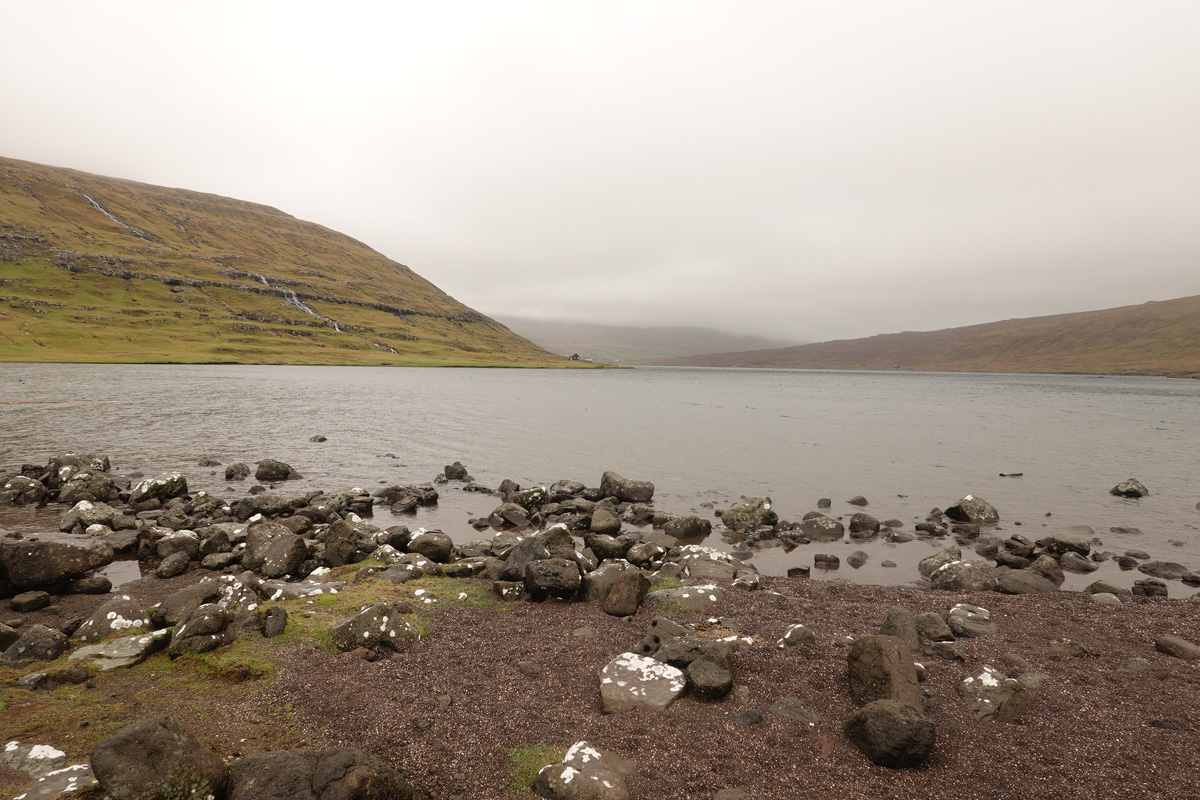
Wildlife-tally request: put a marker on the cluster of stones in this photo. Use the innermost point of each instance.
(157, 758)
(1018, 565)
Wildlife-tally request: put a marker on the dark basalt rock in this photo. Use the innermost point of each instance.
(1131, 488)
(155, 758)
(892, 734)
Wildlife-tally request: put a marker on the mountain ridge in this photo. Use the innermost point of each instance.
(178, 275)
(1160, 337)
(630, 343)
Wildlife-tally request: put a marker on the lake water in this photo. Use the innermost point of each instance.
(906, 441)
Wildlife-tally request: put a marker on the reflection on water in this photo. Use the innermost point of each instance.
(907, 441)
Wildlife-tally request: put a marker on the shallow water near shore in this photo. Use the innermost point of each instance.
(906, 441)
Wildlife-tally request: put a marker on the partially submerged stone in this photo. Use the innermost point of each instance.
(973, 509)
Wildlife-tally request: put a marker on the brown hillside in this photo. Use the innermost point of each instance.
(1157, 338)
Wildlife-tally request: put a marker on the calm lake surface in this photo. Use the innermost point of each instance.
(906, 441)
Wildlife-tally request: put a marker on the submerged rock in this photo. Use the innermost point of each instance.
(1130, 488)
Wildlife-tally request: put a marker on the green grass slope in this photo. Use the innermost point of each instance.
(1157, 338)
(96, 269)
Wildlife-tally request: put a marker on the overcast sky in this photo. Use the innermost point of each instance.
(796, 169)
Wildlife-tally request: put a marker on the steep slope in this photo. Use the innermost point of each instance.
(107, 270)
(1157, 338)
(629, 343)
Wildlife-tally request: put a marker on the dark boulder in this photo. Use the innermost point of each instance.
(155, 759)
(378, 626)
(750, 513)
(552, 577)
(23, 491)
(272, 471)
(37, 643)
(863, 526)
(237, 472)
(973, 509)
(161, 488)
(708, 679)
(342, 774)
(821, 528)
(882, 668)
(434, 545)
(31, 564)
(690, 527)
(892, 734)
(626, 490)
(1130, 488)
(627, 593)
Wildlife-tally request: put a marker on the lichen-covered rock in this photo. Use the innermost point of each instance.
(631, 682)
(434, 545)
(964, 576)
(205, 629)
(821, 528)
(121, 614)
(968, 620)
(124, 652)
(690, 527)
(161, 487)
(1130, 488)
(626, 490)
(378, 626)
(38, 643)
(585, 773)
(21, 490)
(693, 598)
(993, 695)
(973, 509)
(34, 760)
(157, 759)
(92, 486)
(750, 513)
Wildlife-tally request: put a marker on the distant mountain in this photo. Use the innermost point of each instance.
(1157, 338)
(628, 344)
(106, 270)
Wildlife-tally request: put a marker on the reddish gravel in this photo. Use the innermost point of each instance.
(1092, 731)
(1087, 734)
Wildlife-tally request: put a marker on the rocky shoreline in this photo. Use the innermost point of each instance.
(590, 616)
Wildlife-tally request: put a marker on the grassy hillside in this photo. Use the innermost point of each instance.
(627, 343)
(97, 269)
(1158, 338)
